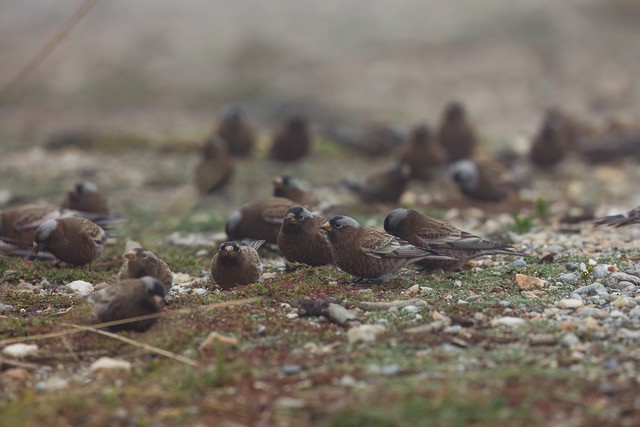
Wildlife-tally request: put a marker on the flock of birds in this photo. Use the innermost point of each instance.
(294, 218)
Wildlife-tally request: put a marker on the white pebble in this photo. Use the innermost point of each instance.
(570, 303)
(20, 350)
(80, 287)
(365, 333)
(110, 364)
(507, 321)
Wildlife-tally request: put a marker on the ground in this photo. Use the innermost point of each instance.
(455, 355)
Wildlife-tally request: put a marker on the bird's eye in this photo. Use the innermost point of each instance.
(144, 255)
(338, 225)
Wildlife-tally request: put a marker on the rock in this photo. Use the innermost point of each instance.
(569, 340)
(528, 282)
(519, 263)
(542, 339)
(453, 329)
(413, 290)
(599, 272)
(80, 287)
(109, 364)
(568, 278)
(291, 369)
(52, 384)
(182, 278)
(20, 350)
(569, 303)
(387, 305)
(619, 276)
(340, 315)
(411, 309)
(214, 339)
(571, 266)
(625, 285)
(286, 403)
(634, 313)
(202, 252)
(507, 321)
(391, 369)
(596, 313)
(365, 333)
(267, 276)
(621, 302)
(6, 307)
(16, 374)
(437, 325)
(616, 313)
(592, 289)
(590, 323)
(199, 291)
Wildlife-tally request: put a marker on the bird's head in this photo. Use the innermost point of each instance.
(42, 234)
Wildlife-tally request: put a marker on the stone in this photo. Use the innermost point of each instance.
(20, 350)
(569, 340)
(568, 278)
(569, 303)
(621, 302)
(291, 369)
(110, 364)
(592, 289)
(365, 333)
(214, 339)
(507, 321)
(528, 282)
(519, 263)
(80, 287)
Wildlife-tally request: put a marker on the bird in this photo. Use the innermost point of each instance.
(433, 233)
(237, 264)
(620, 220)
(368, 253)
(140, 262)
(386, 186)
(73, 240)
(455, 133)
(127, 299)
(482, 180)
(215, 167)
(372, 140)
(18, 224)
(85, 197)
(236, 132)
(549, 147)
(292, 141)
(423, 153)
(258, 220)
(301, 239)
(290, 188)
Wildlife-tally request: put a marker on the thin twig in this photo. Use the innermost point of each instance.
(133, 319)
(46, 50)
(69, 349)
(137, 344)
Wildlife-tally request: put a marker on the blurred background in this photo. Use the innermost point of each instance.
(165, 66)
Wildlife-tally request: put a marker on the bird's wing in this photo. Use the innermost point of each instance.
(378, 244)
(33, 217)
(627, 218)
(438, 232)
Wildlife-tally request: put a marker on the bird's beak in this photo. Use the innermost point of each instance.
(326, 226)
(228, 249)
(289, 219)
(277, 181)
(35, 249)
(129, 255)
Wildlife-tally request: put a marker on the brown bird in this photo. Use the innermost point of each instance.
(386, 186)
(301, 240)
(215, 167)
(290, 188)
(423, 153)
(550, 145)
(73, 240)
(85, 197)
(621, 220)
(368, 253)
(456, 133)
(373, 140)
(237, 133)
(18, 224)
(237, 264)
(432, 233)
(483, 180)
(127, 299)
(258, 220)
(292, 141)
(140, 262)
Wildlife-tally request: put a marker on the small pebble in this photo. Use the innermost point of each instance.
(569, 340)
(568, 278)
(291, 369)
(571, 266)
(599, 272)
(519, 263)
(569, 303)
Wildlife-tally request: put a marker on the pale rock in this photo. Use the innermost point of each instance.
(20, 350)
(365, 333)
(110, 364)
(80, 287)
(507, 321)
(214, 339)
(16, 374)
(52, 384)
(413, 290)
(570, 303)
(590, 323)
(621, 302)
(569, 340)
(268, 276)
(181, 278)
(527, 283)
